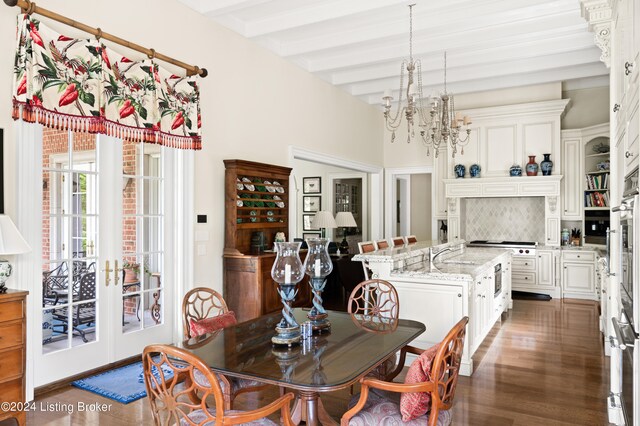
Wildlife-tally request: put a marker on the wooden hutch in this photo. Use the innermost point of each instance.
(256, 200)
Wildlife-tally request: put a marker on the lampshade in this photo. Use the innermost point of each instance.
(345, 220)
(11, 242)
(323, 219)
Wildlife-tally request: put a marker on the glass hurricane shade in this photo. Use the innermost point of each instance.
(318, 263)
(287, 268)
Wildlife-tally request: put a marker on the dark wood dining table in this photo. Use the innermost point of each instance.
(322, 363)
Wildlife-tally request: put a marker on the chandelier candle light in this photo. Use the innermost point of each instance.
(287, 271)
(318, 265)
(441, 126)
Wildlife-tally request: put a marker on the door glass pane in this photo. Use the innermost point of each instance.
(142, 239)
(69, 239)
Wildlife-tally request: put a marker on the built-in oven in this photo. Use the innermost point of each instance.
(497, 286)
(625, 324)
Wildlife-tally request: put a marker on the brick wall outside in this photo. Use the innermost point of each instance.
(55, 142)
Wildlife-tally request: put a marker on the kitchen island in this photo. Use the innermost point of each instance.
(439, 284)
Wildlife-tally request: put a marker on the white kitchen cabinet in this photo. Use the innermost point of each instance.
(441, 169)
(545, 268)
(572, 181)
(579, 274)
(552, 231)
(631, 142)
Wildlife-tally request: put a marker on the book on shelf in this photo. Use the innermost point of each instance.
(595, 182)
(596, 199)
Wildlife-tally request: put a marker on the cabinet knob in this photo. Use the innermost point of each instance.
(459, 294)
(627, 154)
(616, 107)
(628, 67)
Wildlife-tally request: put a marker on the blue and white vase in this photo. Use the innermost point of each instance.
(515, 170)
(474, 171)
(546, 165)
(459, 170)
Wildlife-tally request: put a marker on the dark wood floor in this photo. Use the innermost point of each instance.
(544, 365)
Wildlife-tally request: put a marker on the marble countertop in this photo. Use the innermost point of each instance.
(459, 267)
(392, 254)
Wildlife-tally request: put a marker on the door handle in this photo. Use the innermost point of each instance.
(117, 271)
(106, 271)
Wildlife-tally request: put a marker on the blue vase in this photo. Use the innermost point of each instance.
(546, 165)
(515, 170)
(459, 170)
(474, 171)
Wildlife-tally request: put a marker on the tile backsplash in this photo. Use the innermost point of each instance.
(513, 219)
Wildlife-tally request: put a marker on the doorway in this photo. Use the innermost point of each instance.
(105, 215)
(409, 199)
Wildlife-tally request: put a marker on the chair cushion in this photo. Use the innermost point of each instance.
(379, 411)
(236, 383)
(198, 416)
(416, 404)
(209, 325)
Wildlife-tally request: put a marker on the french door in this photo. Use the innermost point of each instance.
(105, 245)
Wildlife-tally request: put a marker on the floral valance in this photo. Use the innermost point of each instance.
(81, 85)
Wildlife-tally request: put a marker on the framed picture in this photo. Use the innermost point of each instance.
(306, 222)
(306, 235)
(312, 185)
(311, 204)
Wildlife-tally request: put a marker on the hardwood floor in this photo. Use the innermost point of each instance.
(544, 365)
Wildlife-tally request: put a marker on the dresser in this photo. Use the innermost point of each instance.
(13, 306)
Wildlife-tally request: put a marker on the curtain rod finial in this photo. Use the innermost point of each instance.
(203, 72)
(11, 3)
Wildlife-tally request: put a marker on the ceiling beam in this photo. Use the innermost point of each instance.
(471, 18)
(475, 57)
(454, 43)
(514, 80)
(488, 70)
(213, 8)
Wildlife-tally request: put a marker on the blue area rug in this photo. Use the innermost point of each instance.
(124, 384)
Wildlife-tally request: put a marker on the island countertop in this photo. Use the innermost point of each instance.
(460, 267)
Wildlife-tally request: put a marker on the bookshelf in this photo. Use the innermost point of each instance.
(596, 190)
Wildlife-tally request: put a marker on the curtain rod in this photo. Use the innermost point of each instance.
(30, 7)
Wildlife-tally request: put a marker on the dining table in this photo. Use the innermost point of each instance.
(325, 362)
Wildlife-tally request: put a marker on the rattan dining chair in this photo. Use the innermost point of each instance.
(173, 376)
(204, 304)
(373, 409)
(375, 306)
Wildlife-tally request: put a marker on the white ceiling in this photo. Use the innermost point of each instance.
(358, 45)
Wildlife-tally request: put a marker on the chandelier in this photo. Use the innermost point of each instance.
(439, 124)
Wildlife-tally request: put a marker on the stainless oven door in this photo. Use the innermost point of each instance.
(627, 341)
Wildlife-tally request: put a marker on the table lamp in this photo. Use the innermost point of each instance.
(11, 242)
(345, 220)
(322, 220)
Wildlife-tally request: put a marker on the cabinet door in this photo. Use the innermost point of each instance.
(441, 168)
(420, 301)
(578, 278)
(545, 268)
(571, 183)
(552, 231)
(631, 142)
(453, 224)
